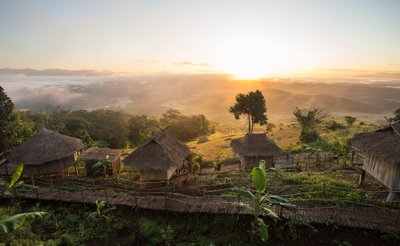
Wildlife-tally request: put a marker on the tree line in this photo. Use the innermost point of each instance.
(103, 128)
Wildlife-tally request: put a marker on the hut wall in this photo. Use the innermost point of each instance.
(49, 167)
(116, 166)
(386, 172)
(249, 162)
(157, 174)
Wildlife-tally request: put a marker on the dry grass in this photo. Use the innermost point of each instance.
(219, 142)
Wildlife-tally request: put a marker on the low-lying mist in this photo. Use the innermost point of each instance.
(208, 94)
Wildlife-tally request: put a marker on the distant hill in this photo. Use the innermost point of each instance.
(211, 95)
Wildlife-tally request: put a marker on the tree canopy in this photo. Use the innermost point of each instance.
(350, 120)
(396, 116)
(309, 119)
(13, 130)
(252, 105)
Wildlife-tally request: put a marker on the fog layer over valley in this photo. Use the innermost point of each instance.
(207, 94)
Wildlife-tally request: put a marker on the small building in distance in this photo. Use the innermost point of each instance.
(158, 158)
(48, 152)
(95, 154)
(252, 148)
(381, 152)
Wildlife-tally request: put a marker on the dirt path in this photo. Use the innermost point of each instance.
(361, 217)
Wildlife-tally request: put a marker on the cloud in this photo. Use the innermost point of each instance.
(393, 64)
(152, 61)
(190, 63)
(54, 72)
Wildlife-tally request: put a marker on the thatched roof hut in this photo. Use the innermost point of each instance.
(381, 152)
(45, 153)
(158, 158)
(255, 147)
(94, 154)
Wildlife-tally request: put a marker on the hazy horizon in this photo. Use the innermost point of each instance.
(144, 57)
(244, 39)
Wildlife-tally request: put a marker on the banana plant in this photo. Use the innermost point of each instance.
(101, 166)
(12, 223)
(101, 211)
(15, 185)
(261, 202)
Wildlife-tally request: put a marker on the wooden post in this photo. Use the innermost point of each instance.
(105, 193)
(362, 177)
(33, 183)
(391, 196)
(352, 156)
(83, 197)
(5, 164)
(59, 193)
(76, 169)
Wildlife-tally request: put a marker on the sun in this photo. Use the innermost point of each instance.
(246, 57)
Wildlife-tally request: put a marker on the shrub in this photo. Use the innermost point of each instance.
(150, 230)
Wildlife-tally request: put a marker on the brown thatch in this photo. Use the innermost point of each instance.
(160, 152)
(46, 146)
(383, 144)
(255, 145)
(98, 154)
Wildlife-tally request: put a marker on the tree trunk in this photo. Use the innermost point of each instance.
(248, 119)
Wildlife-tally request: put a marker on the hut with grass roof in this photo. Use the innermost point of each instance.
(252, 148)
(158, 158)
(381, 152)
(95, 154)
(47, 152)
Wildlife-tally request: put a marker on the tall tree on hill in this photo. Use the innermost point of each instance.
(252, 105)
(309, 119)
(350, 120)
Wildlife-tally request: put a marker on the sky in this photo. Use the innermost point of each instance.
(246, 39)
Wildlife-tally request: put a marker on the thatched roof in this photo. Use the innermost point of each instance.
(98, 154)
(161, 152)
(255, 145)
(46, 146)
(383, 144)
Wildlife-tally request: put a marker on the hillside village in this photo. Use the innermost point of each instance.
(316, 173)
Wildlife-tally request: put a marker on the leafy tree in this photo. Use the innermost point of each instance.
(261, 202)
(140, 128)
(77, 127)
(185, 127)
(13, 130)
(309, 119)
(252, 105)
(109, 126)
(350, 120)
(6, 106)
(396, 116)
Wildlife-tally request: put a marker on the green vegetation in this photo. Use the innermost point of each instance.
(10, 189)
(107, 128)
(252, 105)
(309, 120)
(396, 116)
(13, 130)
(261, 203)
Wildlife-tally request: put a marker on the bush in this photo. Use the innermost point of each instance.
(151, 231)
(309, 137)
(334, 125)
